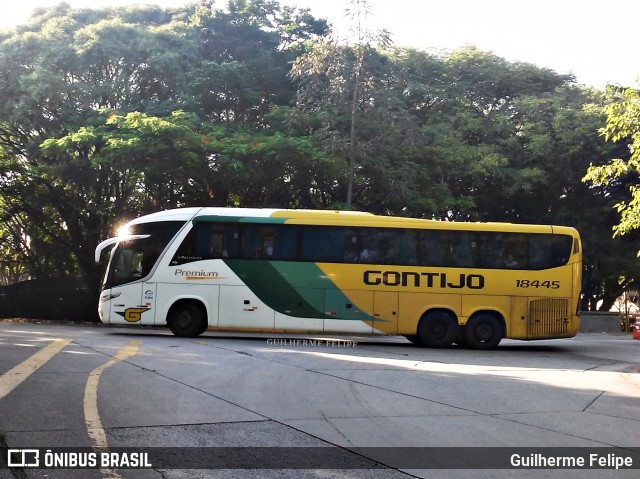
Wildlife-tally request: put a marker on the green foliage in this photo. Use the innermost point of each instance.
(68, 168)
(622, 125)
(109, 114)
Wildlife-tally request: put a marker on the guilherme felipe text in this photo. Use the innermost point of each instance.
(587, 461)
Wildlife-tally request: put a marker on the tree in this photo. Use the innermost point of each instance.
(357, 12)
(13, 246)
(617, 182)
(459, 153)
(622, 125)
(340, 84)
(60, 69)
(109, 114)
(66, 173)
(245, 55)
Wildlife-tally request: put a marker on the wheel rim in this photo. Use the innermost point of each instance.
(438, 330)
(484, 332)
(183, 321)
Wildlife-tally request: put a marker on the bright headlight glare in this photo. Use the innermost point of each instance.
(123, 231)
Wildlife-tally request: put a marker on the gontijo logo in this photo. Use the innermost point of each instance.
(133, 315)
(196, 275)
(423, 279)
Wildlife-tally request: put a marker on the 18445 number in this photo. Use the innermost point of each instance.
(525, 283)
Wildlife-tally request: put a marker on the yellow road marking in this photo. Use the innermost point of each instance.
(95, 430)
(15, 376)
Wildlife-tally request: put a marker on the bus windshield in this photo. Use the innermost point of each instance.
(134, 259)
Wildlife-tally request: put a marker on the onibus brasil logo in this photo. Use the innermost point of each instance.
(64, 459)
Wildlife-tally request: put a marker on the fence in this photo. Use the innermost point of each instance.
(51, 298)
(600, 322)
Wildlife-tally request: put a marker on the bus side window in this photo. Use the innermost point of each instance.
(388, 252)
(344, 245)
(406, 247)
(250, 247)
(204, 237)
(369, 245)
(329, 244)
(258, 241)
(430, 248)
(540, 246)
(549, 251)
(463, 249)
(515, 254)
(490, 250)
(187, 251)
(446, 248)
(272, 242)
(561, 250)
(285, 243)
(351, 253)
(231, 241)
(217, 249)
(398, 247)
(309, 243)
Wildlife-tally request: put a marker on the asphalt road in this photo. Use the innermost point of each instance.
(97, 386)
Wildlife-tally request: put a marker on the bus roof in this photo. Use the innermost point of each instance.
(185, 214)
(335, 217)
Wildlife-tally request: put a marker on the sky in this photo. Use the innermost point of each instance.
(594, 40)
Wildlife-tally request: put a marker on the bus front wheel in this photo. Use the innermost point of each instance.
(438, 329)
(187, 320)
(483, 332)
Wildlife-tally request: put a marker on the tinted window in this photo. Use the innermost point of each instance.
(549, 251)
(207, 241)
(336, 244)
(273, 242)
(448, 248)
(388, 246)
(328, 244)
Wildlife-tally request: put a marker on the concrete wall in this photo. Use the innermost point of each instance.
(599, 322)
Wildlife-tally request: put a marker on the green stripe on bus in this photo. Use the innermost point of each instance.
(274, 287)
(294, 288)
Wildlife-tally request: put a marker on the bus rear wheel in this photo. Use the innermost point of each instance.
(187, 320)
(483, 332)
(438, 329)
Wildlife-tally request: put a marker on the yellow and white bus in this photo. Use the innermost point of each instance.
(306, 271)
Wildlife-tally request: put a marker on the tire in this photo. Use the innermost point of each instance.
(205, 327)
(483, 331)
(187, 320)
(414, 339)
(438, 329)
